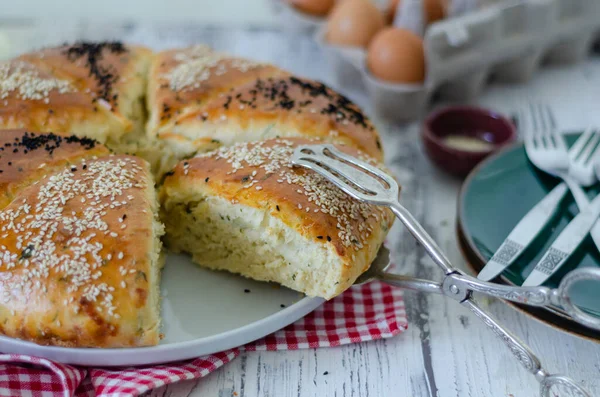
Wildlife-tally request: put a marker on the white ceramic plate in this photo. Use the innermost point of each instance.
(203, 312)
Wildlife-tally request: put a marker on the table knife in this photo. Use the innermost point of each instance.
(524, 233)
(565, 244)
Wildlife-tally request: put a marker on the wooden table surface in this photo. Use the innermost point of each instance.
(446, 350)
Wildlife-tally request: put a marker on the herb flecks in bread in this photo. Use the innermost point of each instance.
(79, 229)
(273, 160)
(247, 210)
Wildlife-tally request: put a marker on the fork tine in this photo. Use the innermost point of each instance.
(560, 140)
(362, 164)
(590, 149)
(551, 118)
(543, 128)
(579, 145)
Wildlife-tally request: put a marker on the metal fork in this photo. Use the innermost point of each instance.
(367, 183)
(547, 151)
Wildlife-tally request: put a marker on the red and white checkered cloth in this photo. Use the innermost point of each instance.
(367, 312)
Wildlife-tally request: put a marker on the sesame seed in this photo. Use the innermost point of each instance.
(350, 216)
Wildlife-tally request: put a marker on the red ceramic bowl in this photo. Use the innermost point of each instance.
(456, 138)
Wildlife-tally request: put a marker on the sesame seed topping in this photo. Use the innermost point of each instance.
(22, 78)
(272, 158)
(53, 241)
(197, 64)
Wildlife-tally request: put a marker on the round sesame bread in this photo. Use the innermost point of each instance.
(245, 209)
(79, 230)
(94, 90)
(198, 98)
(79, 246)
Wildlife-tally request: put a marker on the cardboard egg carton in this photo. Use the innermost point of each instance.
(506, 41)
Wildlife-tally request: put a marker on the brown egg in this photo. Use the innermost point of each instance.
(353, 23)
(318, 8)
(396, 55)
(434, 10)
(391, 10)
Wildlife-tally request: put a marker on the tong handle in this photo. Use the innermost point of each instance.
(564, 300)
(550, 385)
(536, 296)
(419, 233)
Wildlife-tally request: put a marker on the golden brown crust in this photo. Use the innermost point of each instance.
(25, 157)
(75, 88)
(75, 263)
(259, 175)
(177, 86)
(196, 88)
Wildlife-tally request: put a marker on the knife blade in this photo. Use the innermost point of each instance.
(565, 244)
(523, 234)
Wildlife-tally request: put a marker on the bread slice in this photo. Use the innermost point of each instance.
(199, 98)
(245, 209)
(80, 252)
(96, 90)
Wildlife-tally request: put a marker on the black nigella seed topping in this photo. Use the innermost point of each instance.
(206, 180)
(84, 166)
(227, 103)
(320, 237)
(328, 238)
(282, 305)
(27, 252)
(277, 207)
(93, 53)
(247, 291)
(170, 173)
(49, 142)
(326, 373)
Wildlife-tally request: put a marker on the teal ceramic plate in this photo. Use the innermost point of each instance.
(495, 196)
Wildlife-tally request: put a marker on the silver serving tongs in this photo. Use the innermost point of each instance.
(367, 183)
